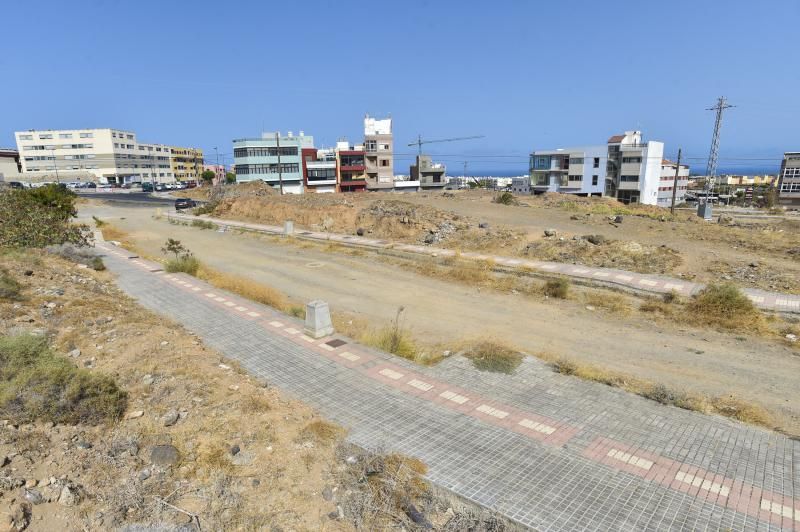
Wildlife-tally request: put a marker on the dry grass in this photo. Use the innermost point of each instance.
(557, 288)
(725, 306)
(321, 432)
(244, 287)
(609, 301)
(254, 403)
(494, 356)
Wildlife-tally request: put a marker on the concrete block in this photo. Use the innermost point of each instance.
(288, 228)
(318, 319)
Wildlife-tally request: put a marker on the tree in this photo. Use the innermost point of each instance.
(56, 197)
(230, 178)
(208, 176)
(175, 246)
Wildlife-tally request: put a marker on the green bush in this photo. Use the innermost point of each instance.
(183, 264)
(9, 287)
(491, 356)
(505, 198)
(97, 264)
(558, 288)
(55, 197)
(37, 220)
(203, 224)
(725, 305)
(207, 208)
(38, 385)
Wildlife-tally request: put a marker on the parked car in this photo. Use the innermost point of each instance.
(147, 187)
(184, 203)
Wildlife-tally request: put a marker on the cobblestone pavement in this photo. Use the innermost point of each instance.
(658, 284)
(548, 451)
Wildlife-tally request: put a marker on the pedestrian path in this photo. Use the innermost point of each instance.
(658, 284)
(548, 451)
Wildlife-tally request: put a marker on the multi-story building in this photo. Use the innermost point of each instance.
(9, 164)
(378, 158)
(789, 179)
(319, 170)
(625, 168)
(272, 158)
(668, 169)
(429, 174)
(107, 155)
(351, 168)
(186, 163)
(219, 172)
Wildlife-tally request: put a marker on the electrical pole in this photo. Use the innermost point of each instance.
(675, 183)
(278, 147)
(216, 151)
(711, 168)
(55, 165)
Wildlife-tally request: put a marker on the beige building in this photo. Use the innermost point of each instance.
(186, 163)
(378, 159)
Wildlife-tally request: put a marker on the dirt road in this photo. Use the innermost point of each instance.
(442, 312)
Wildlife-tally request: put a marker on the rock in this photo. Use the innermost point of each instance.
(83, 444)
(144, 474)
(483, 225)
(20, 517)
(256, 483)
(618, 219)
(164, 455)
(550, 232)
(164, 343)
(791, 337)
(327, 493)
(4, 461)
(360, 231)
(753, 265)
(417, 517)
(170, 418)
(34, 496)
(31, 483)
(595, 239)
(70, 496)
(148, 380)
(590, 307)
(235, 450)
(243, 458)
(135, 414)
(725, 219)
(75, 353)
(28, 273)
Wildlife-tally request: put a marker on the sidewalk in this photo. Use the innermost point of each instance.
(656, 284)
(549, 451)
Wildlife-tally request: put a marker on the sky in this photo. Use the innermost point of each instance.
(523, 74)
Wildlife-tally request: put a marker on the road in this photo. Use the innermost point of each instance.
(128, 197)
(549, 451)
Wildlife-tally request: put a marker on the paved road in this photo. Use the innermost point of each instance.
(549, 451)
(659, 284)
(129, 197)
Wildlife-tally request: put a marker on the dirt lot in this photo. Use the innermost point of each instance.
(752, 252)
(447, 313)
(201, 443)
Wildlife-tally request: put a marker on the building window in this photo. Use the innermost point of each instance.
(384, 163)
(576, 178)
(629, 179)
(371, 145)
(26, 137)
(129, 137)
(249, 169)
(65, 135)
(86, 135)
(321, 174)
(541, 163)
(631, 159)
(594, 177)
(272, 151)
(576, 160)
(596, 164)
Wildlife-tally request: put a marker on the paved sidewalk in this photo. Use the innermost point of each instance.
(549, 451)
(658, 284)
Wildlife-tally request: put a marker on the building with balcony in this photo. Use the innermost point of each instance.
(219, 172)
(186, 163)
(378, 158)
(431, 176)
(319, 170)
(351, 167)
(625, 168)
(105, 155)
(668, 181)
(789, 179)
(274, 159)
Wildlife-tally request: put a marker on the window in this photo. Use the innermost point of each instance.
(576, 160)
(129, 146)
(45, 136)
(596, 164)
(385, 147)
(594, 177)
(130, 137)
(26, 137)
(65, 135)
(629, 179)
(286, 168)
(541, 162)
(114, 134)
(371, 145)
(116, 144)
(271, 151)
(576, 178)
(321, 174)
(384, 163)
(86, 135)
(631, 159)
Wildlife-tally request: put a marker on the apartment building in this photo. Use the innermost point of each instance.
(272, 158)
(106, 155)
(10, 166)
(378, 149)
(626, 168)
(789, 179)
(319, 170)
(668, 180)
(186, 163)
(219, 172)
(431, 176)
(351, 167)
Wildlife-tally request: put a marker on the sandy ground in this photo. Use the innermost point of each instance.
(437, 311)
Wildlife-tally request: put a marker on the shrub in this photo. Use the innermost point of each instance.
(724, 305)
(38, 385)
(203, 224)
(97, 264)
(207, 208)
(54, 197)
(494, 357)
(505, 198)
(80, 255)
(245, 287)
(98, 222)
(9, 287)
(321, 431)
(28, 220)
(609, 301)
(183, 264)
(565, 367)
(558, 288)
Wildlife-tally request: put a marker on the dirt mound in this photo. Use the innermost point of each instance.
(400, 220)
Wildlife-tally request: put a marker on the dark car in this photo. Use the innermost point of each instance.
(184, 203)
(147, 187)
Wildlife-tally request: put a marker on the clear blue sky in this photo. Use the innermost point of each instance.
(524, 74)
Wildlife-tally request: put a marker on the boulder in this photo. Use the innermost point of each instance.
(170, 418)
(164, 455)
(550, 232)
(595, 239)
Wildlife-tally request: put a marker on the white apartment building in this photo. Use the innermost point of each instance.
(625, 168)
(109, 155)
(668, 180)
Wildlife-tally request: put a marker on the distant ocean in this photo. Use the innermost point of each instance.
(697, 169)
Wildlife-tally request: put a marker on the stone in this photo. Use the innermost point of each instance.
(164, 343)
(34, 496)
(327, 493)
(148, 380)
(144, 474)
(360, 231)
(318, 319)
(242, 458)
(83, 444)
(483, 225)
(235, 450)
(135, 414)
(595, 239)
(69, 496)
(75, 353)
(618, 219)
(791, 337)
(288, 228)
(164, 455)
(170, 418)
(550, 232)
(20, 517)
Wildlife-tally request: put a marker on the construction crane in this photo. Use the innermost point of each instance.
(420, 142)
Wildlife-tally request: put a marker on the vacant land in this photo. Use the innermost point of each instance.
(442, 313)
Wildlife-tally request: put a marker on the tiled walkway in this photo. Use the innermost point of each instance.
(658, 284)
(551, 452)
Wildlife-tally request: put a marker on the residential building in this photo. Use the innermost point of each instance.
(351, 168)
(789, 179)
(10, 166)
(521, 185)
(319, 170)
(746, 180)
(626, 168)
(272, 158)
(219, 172)
(186, 163)
(668, 181)
(429, 174)
(105, 155)
(378, 159)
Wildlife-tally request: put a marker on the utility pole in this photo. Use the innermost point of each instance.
(704, 209)
(216, 151)
(675, 183)
(278, 147)
(55, 165)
